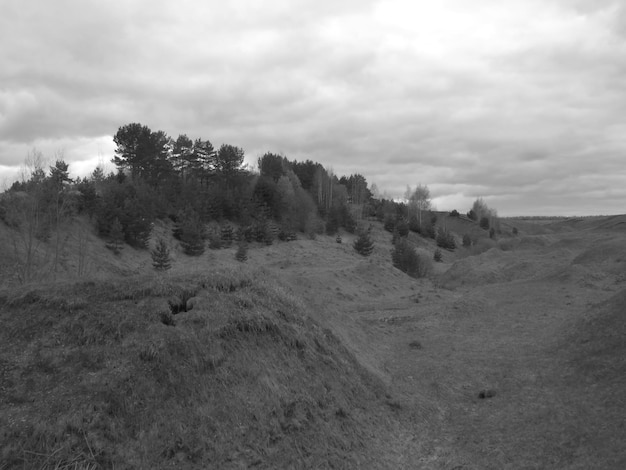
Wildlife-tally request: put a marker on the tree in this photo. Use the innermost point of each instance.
(405, 258)
(161, 256)
(364, 244)
(445, 239)
(271, 166)
(229, 160)
(420, 201)
(143, 152)
(59, 200)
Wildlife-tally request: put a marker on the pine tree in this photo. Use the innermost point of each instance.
(161, 256)
(242, 252)
(364, 245)
(116, 237)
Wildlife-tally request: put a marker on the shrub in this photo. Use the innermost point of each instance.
(455, 213)
(364, 244)
(406, 259)
(484, 223)
(438, 256)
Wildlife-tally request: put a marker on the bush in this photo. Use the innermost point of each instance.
(364, 244)
(438, 256)
(484, 223)
(455, 213)
(406, 259)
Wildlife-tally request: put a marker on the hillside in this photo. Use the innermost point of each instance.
(311, 356)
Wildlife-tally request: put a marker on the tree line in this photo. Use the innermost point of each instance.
(191, 182)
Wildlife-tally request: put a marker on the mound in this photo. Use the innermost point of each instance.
(534, 241)
(610, 255)
(103, 374)
(602, 334)
(486, 268)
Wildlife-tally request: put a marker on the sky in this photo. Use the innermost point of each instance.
(520, 102)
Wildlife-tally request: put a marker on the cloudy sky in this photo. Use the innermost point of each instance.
(521, 102)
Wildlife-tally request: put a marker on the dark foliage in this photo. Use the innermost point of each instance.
(467, 241)
(402, 227)
(191, 233)
(405, 258)
(116, 237)
(161, 260)
(364, 244)
(445, 239)
(242, 252)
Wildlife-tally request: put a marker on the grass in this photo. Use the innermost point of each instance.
(95, 379)
(309, 356)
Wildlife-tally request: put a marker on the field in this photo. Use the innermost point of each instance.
(510, 355)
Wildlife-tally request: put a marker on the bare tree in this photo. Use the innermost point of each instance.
(420, 199)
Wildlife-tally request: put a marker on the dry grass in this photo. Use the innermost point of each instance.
(311, 357)
(245, 378)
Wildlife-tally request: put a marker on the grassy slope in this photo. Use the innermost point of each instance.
(318, 357)
(92, 375)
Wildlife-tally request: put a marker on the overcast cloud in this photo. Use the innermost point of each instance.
(520, 102)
